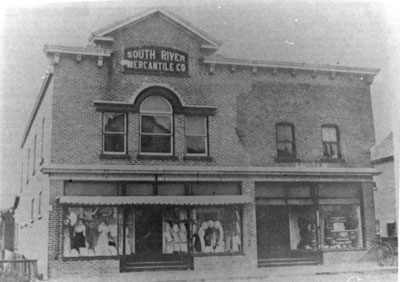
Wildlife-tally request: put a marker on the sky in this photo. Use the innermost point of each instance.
(347, 33)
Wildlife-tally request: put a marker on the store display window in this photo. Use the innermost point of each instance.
(340, 226)
(216, 230)
(92, 231)
(175, 231)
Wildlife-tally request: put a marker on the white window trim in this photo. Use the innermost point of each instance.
(124, 133)
(194, 135)
(171, 135)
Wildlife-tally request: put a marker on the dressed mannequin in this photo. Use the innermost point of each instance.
(196, 240)
(167, 239)
(67, 238)
(101, 248)
(209, 237)
(175, 236)
(202, 233)
(183, 237)
(236, 243)
(80, 235)
(220, 244)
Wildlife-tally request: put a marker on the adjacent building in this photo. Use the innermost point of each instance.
(147, 150)
(385, 192)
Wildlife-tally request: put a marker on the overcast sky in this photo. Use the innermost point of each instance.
(343, 33)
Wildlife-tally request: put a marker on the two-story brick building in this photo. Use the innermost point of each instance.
(147, 151)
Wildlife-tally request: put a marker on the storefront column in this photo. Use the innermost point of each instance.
(249, 223)
(369, 214)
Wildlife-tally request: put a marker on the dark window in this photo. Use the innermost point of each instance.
(285, 141)
(156, 126)
(42, 141)
(34, 155)
(114, 133)
(330, 141)
(32, 206)
(40, 204)
(27, 166)
(196, 135)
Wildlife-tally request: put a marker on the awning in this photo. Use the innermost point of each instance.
(155, 200)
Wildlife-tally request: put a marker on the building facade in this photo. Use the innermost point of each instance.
(147, 151)
(385, 191)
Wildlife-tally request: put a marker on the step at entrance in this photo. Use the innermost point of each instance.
(275, 262)
(132, 266)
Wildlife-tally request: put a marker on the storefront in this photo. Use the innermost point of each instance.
(152, 225)
(300, 220)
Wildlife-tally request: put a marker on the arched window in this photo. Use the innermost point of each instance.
(156, 126)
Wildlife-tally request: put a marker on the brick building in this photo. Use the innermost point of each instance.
(147, 151)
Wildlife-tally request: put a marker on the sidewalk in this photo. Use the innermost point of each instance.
(203, 276)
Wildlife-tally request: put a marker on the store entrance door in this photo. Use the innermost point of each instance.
(273, 237)
(148, 233)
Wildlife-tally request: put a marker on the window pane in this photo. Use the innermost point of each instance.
(92, 231)
(329, 134)
(196, 126)
(217, 230)
(156, 144)
(114, 143)
(156, 124)
(90, 189)
(114, 122)
(196, 145)
(175, 231)
(215, 189)
(285, 149)
(156, 104)
(340, 226)
(330, 150)
(284, 133)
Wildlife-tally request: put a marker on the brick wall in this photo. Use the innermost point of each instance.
(248, 104)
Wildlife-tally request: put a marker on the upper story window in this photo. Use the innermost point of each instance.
(156, 126)
(196, 136)
(285, 141)
(114, 133)
(42, 142)
(330, 141)
(34, 155)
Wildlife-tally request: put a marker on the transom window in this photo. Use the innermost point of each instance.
(330, 141)
(285, 141)
(156, 126)
(196, 135)
(114, 133)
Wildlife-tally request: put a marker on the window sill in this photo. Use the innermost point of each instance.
(156, 157)
(217, 254)
(114, 156)
(332, 160)
(90, 258)
(198, 158)
(343, 250)
(286, 160)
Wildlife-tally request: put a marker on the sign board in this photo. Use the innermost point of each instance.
(155, 60)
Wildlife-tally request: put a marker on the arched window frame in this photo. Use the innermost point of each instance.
(144, 114)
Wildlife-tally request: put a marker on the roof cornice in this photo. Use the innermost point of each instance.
(220, 60)
(168, 173)
(88, 51)
(39, 100)
(211, 41)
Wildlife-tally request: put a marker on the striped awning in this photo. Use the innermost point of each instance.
(155, 200)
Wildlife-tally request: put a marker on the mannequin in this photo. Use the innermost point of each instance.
(209, 237)
(183, 237)
(201, 233)
(167, 239)
(67, 238)
(236, 243)
(101, 248)
(196, 240)
(79, 235)
(220, 244)
(175, 236)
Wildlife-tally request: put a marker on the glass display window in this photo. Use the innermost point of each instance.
(175, 231)
(340, 226)
(92, 231)
(216, 230)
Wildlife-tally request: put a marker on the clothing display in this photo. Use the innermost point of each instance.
(101, 248)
